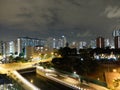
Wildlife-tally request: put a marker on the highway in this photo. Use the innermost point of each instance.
(6, 68)
(44, 83)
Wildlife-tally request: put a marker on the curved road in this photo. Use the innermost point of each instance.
(44, 83)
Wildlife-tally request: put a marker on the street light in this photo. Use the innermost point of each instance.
(114, 70)
(76, 75)
(31, 81)
(98, 78)
(74, 72)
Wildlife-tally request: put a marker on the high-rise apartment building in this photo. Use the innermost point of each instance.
(51, 43)
(92, 44)
(100, 42)
(107, 42)
(10, 48)
(56, 43)
(64, 41)
(116, 32)
(116, 35)
(117, 42)
(82, 44)
(1, 47)
(23, 42)
(60, 43)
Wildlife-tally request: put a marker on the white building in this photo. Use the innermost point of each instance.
(116, 32)
(23, 42)
(64, 41)
(82, 44)
(93, 44)
(107, 42)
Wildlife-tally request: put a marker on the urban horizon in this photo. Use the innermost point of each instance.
(60, 44)
(108, 41)
(77, 20)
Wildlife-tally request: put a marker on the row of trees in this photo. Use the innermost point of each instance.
(82, 63)
(16, 59)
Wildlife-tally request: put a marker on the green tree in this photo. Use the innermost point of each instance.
(11, 58)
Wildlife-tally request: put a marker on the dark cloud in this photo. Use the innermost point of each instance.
(76, 19)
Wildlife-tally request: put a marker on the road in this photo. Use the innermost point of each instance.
(44, 83)
(4, 68)
(16, 66)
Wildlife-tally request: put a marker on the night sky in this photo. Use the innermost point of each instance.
(76, 19)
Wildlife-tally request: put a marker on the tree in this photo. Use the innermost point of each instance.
(11, 58)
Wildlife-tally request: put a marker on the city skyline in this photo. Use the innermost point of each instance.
(77, 20)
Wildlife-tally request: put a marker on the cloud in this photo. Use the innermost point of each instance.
(51, 18)
(112, 12)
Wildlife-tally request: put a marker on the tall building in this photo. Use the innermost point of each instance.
(93, 44)
(23, 42)
(10, 48)
(7, 48)
(56, 43)
(107, 43)
(2, 48)
(64, 41)
(100, 42)
(51, 43)
(116, 32)
(74, 44)
(117, 42)
(116, 35)
(60, 44)
(29, 52)
(112, 45)
(82, 44)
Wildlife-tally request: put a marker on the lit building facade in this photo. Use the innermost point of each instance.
(23, 42)
(116, 35)
(56, 43)
(1, 47)
(74, 44)
(100, 42)
(10, 48)
(93, 44)
(60, 43)
(107, 43)
(117, 42)
(29, 52)
(64, 41)
(51, 43)
(82, 44)
(112, 45)
(116, 32)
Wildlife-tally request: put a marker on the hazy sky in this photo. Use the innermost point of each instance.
(76, 19)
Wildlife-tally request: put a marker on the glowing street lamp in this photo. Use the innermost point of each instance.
(114, 70)
(31, 81)
(74, 72)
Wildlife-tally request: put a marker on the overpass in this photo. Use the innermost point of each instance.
(29, 86)
(10, 70)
